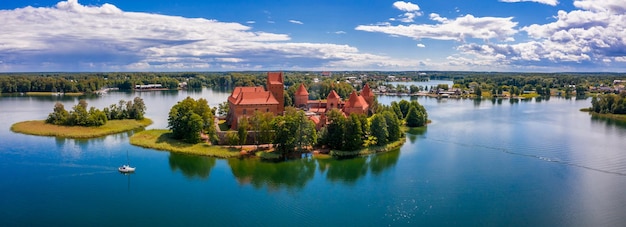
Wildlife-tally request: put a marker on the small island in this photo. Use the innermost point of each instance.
(254, 123)
(80, 123)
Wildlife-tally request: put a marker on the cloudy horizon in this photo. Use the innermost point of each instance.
(504, 35)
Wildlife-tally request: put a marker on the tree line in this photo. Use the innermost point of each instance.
(79, 115)
(609, 103)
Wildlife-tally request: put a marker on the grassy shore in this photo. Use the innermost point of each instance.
(41, 128)
(160, 139)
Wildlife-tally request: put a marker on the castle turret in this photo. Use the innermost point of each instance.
(275, 85)
(367, 94)
(301, 97)
(332, 100)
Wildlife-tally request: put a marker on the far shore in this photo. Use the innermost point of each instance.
(41, 128)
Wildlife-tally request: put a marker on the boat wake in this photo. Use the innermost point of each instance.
(539, 157)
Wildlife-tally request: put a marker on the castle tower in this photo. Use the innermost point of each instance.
(275, 85)
(302, 97)
(367, 94)
(332, 100)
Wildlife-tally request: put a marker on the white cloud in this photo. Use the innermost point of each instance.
(420, 45)
(459, 29)
(295, 22)
(411, 11)
(250, 22)
(547, 2)
(340, 32)
(73, 37)
(406, 6)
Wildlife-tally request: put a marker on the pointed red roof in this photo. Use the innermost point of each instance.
(356, 101)
(302, 90)
(366, 91)
(333, 95)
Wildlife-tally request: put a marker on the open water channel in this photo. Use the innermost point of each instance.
(528, 163)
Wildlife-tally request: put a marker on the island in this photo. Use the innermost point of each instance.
(83, 123)
(255, 122)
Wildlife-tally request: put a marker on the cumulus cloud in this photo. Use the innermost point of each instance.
(421, 45)
(459, 29)
(547, 2)
(74, 37)
(411, 11)
(594, 34)
(295, 22)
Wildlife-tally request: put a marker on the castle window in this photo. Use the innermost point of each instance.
(267, 110)
(244, 111)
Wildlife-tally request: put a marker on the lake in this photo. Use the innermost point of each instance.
(504, 163)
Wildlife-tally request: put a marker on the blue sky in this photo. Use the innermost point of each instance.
(237, 35)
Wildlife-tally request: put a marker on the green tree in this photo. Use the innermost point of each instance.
(354, 133)
(415, 118)
(378, 129)
(78, 116)
(242, 130)
(335, 130)
(184, 122)
(393, 126)
(232, 138)
(59, 116)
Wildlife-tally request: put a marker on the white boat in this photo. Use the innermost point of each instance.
(126, 169)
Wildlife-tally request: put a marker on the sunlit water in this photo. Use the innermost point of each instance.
(479, 163)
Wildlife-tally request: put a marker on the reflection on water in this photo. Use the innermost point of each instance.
(414, 133)
(350, 170)
(192, 165)
(289, 174)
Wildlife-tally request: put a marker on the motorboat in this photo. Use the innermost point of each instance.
(126, 169)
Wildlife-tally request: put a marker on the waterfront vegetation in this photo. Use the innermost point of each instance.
(41, 128)
(161, 139)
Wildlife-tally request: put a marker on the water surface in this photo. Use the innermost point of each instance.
(479, 163)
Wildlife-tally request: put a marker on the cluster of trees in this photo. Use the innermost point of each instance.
(189, 118)
(292, 131)
(81, 116)
(91, 82)
(609, 103)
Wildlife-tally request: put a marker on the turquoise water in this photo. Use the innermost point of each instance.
(479, 163)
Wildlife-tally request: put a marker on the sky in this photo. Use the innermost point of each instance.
(317, 35)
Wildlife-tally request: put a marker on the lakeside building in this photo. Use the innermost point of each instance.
(244, 101)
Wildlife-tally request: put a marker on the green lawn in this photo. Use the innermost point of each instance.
(160, 139)
(41, 128)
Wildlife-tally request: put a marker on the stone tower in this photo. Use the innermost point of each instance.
(275, 85)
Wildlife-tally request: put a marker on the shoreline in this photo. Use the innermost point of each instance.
(41, 128)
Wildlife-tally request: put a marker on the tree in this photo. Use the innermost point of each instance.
(242, 130)
(413, 119)
(379, 129)
(335, 130)
(478, 92)
(78, 115)
(184, 122)
(294, 131)
(223, 108)
(137, 109)
(354, 133)
(59, 116)
(396, 110)
(393, 126)
(232, 138)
